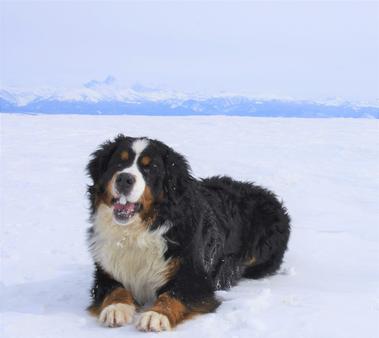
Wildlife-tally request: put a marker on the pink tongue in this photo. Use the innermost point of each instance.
(128, 207)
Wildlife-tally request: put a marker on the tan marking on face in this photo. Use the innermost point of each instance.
(107, 196)
(119, 295)
(147, 201)
(146, 160)
(125, 155)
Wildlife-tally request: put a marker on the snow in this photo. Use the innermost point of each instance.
(325, 170)
(92, 91)
(107, 97)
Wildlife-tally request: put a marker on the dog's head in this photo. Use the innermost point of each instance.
(133, 176)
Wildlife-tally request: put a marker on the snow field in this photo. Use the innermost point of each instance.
(325, 170)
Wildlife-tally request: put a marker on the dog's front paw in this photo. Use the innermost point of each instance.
(153, 321)
(115, 315)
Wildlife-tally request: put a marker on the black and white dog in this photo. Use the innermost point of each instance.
(163, 238)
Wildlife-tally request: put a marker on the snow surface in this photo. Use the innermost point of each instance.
(326, 171)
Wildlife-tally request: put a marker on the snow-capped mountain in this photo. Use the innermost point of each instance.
(108, 98)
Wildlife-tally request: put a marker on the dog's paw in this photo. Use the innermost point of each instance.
(115, 315)
(153, 321)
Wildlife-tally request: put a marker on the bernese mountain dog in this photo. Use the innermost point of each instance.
(163, 241)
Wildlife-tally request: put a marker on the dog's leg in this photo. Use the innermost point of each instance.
(186, 295)
(112, 304)
(117, 308)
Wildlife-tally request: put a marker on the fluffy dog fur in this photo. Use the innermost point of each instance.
(163, 238)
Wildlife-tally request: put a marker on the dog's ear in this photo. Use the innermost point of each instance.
(100, 158)
(177, 175)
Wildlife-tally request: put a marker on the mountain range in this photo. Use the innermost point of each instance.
(106, 98)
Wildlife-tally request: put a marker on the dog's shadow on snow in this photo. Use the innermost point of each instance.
(69, 292)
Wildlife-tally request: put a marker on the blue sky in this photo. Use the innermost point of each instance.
(304, 50)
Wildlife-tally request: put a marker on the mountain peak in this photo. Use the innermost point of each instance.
(108, 81)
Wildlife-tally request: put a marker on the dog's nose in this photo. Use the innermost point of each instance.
(124, 182)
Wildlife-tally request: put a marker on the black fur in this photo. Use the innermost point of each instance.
(222, 230)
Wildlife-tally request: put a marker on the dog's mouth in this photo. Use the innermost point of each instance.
(123, 210)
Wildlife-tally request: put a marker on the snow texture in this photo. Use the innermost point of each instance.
(326, 171)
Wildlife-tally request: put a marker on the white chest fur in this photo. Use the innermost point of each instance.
(130, 254)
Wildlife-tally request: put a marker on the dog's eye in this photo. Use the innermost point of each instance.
(146, 169)
(149, 167)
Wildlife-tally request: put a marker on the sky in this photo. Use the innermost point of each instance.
(302, 50)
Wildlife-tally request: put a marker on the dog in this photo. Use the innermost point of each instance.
(165, 241)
